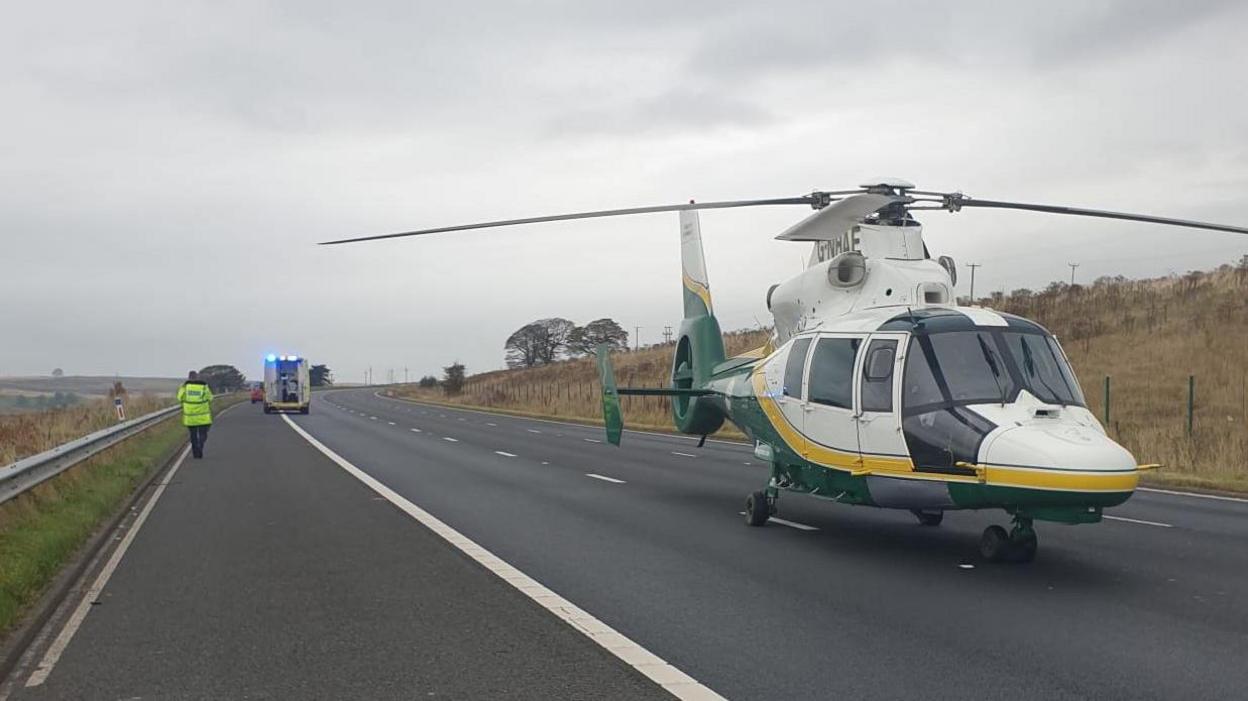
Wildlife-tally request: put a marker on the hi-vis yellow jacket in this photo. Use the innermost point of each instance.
(196, 400)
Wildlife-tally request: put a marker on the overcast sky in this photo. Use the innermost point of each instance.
(166, 168)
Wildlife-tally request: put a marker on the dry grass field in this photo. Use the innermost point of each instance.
(34, 432)
(1148, 336)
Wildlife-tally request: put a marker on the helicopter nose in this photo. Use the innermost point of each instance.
(1059, 456)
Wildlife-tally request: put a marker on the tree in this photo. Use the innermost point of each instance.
(428, 381)
(538, 343)
(453, 378)
(223, 378)
(321, 376)
(584, 340)
(58, 373)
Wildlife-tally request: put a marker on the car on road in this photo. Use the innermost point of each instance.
(257, 394)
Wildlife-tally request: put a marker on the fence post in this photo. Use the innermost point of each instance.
(1191, 401)
(1107, 401)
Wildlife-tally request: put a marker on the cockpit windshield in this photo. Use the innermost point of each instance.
(957, 368)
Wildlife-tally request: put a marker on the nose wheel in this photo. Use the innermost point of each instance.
(759, 507)
(1018, 545)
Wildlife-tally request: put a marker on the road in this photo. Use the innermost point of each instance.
(833, 601)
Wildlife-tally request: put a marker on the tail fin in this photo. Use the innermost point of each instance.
(697, 290)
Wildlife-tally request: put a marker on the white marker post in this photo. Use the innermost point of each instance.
(121, 408)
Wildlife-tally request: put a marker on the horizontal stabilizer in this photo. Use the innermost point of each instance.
(662, 392)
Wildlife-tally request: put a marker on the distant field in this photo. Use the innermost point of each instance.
(1148, 336)
(87, 385)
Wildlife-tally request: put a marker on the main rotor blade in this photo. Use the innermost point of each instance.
(955, 202)
(805, 199)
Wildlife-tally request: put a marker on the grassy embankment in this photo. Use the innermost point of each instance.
(34, 432)
(1147, 335)
(43, 528)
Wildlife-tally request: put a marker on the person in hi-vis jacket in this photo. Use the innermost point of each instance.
(196, 400)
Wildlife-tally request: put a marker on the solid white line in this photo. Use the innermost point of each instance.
(1198, 495)
(591, 440)
(686, 455)
(1136, 520)
(605, 479)
(674, 681)
(448, 438)
(54, 652)
(506, 455)
(790, 524)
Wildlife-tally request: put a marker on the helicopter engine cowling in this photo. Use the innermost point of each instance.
(699, 349)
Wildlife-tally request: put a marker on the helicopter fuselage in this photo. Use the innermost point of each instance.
(929, 409)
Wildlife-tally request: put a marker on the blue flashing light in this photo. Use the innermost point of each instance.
(270, 358)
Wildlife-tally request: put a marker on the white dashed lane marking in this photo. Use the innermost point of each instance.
(448, 438)
(591, 440)
(487, 423)
(415, 430)
(790, 524)
(604, 478)
(1139, 521)
(533, 430)
(684, 455)
(505, 454)
(390, 422)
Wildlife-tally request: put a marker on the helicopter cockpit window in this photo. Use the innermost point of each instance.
(1043, 368)
(877, 376)
(832, 372)
(962, 367)
(794, 366)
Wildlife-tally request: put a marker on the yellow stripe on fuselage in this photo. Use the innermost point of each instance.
(891, 466)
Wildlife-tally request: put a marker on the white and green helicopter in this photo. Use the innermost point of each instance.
(876, 387)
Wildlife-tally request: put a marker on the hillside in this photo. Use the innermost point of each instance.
(1148, 336)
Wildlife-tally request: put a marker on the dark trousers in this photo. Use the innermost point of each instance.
(199, 436)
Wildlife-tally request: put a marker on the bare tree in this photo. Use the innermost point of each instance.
(538, 343)
(584, 340)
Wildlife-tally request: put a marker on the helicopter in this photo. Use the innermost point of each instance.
(876, 387)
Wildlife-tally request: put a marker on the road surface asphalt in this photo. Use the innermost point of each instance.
(266, 571)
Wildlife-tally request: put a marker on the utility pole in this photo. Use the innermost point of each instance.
(973, 266)
(667, 334)
(636, 338)
(404, 374)
(1072, 273)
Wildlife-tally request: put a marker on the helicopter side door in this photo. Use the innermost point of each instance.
(830, 426)
(880, 439)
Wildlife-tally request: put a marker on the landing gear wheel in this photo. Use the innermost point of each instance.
(994, 544)
(1023, 547)
(928, 518)
(757, 509)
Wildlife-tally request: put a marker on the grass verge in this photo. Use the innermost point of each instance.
(41, 530)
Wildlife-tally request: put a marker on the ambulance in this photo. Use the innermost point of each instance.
(287, 385)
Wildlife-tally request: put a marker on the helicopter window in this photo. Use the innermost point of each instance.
(1043, 368)
(832, 372)
(877, 376)
(963, 367)
(794, 367)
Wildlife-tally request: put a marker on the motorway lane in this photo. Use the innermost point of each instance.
(266, 571)
(869, 604)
